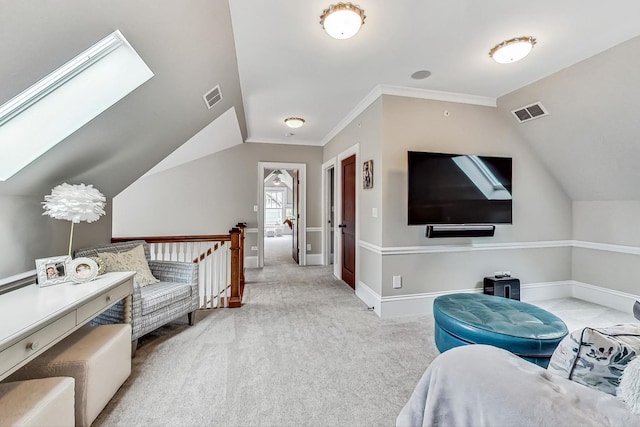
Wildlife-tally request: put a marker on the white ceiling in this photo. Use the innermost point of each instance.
(272, 60)
(288, 66)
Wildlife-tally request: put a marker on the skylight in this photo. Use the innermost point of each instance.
(482, 177)
(53, 108)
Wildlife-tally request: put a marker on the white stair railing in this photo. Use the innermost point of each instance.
(219, 258)
(214, 266)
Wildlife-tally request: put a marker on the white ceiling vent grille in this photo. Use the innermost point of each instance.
(212, 97)
(530, 112)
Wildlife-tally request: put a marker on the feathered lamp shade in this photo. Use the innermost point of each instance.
(74, 203)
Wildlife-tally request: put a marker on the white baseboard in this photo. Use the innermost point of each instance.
(422, 304)
(369, 297)
(546, 290)
(314, 259)
(617, 300)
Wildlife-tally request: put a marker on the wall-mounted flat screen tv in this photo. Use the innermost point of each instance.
(459, 189)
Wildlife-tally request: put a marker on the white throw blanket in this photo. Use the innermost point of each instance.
(479, 385)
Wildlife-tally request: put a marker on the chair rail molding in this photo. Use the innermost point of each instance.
(408, 250)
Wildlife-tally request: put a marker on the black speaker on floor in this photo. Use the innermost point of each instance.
(507, 287)
(460, 230)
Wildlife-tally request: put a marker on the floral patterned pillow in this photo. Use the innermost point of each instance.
(596, 358)
(133, 260)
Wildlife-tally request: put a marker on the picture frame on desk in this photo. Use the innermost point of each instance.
(82, 270)
(53, 270)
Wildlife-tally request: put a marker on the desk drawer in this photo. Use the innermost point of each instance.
(36, 342)
(102, 302)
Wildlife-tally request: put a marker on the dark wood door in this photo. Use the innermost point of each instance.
(348, 223)
(295, 249)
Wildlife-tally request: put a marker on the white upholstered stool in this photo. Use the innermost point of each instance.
(98, 357)
(42, 402)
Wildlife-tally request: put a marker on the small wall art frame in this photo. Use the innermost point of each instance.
(53, 270)
(82, 270)
(367, 174)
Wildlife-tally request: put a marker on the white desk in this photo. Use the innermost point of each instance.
(33, 319)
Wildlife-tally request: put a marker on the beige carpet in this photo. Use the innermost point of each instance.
(303, 350)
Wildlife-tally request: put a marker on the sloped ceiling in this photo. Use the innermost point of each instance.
(590, 141)
(188, 45)
(288, 66)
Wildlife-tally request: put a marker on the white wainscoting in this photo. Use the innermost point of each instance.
(421, 304)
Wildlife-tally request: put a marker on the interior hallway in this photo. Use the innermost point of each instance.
(277, 250)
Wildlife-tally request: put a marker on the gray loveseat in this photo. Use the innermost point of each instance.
(156, 304)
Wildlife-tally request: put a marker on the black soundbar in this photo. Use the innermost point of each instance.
(460, 230)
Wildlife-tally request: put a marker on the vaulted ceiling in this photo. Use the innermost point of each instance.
(272, 60)
(189, 47)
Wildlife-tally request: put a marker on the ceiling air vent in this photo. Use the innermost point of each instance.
(530, 112)
(212, 97)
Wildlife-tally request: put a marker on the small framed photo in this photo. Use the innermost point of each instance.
(367, 174)
(52, 271)
(83, 270)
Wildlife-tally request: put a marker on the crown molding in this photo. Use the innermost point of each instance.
(407, 92)
(284, 142)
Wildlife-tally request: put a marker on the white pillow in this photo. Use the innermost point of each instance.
(133, 260)
(596, 357)
(629, 388)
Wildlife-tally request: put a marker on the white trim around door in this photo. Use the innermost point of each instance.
(302, 208)
(327, 227)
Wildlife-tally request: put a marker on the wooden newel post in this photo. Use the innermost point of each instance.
(236, 296)
(241, 226)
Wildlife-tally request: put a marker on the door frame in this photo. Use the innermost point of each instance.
(326, 202)
(337, 253)
(302, 208)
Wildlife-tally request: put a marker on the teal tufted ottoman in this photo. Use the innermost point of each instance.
(523, 329)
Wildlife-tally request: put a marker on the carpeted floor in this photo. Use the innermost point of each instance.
(303, 350)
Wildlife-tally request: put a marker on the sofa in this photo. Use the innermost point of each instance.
(175, 294)
(481, 385)
(593, 378)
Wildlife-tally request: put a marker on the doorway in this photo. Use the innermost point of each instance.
(333, 215)
(328, 212)
(281, 212)
(280, 216)
(347, 224)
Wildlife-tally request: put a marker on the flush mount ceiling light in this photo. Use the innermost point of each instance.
(294, 122)
(512, 50)
(342, 20)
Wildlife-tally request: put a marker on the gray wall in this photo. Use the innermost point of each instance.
(28, 235)
(609, 223)
(392, 126)
(365, 130)
(541, 210)
(211, 194)
(589, 141)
